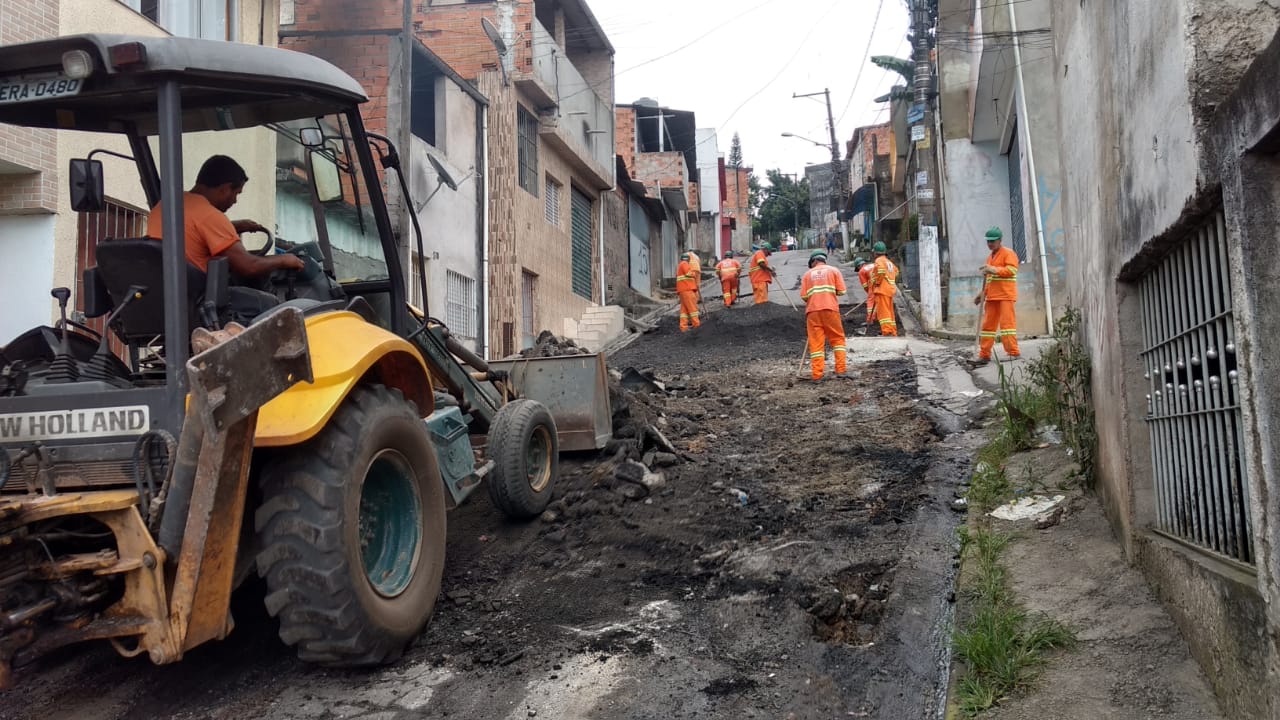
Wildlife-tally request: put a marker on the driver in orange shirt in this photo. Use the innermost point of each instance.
(208, 233)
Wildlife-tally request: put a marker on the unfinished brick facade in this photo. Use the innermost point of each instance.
(28, 158)
(737, 202)
(361, 39)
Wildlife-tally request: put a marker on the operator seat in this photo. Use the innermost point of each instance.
(125, 262)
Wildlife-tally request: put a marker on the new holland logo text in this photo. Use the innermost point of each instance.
(75, 424)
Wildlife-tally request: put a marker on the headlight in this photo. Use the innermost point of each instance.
(77, 64)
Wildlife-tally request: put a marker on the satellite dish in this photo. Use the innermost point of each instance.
(442, 173)
(495, 37)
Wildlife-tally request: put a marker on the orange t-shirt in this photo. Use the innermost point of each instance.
(207, 230)
(821, 288)
(1004, 284)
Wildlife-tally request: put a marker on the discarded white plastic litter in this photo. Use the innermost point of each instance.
(1027, 507)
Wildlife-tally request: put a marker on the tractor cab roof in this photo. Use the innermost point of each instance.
(223, 85)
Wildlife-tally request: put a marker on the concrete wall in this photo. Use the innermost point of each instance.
(1138, 174)
(26, 265)
(976, 186)
(449, 219)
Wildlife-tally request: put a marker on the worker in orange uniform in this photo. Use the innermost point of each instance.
(821, 288)
(687, 289)
(1000, 290)
(729, 272)
(865, 272)
(884, 285)
(761, 274)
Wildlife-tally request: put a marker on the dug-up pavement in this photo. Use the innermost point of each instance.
(750, 545)
(1130, 662)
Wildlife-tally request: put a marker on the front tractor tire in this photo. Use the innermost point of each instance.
(352, 531)
(526, 454)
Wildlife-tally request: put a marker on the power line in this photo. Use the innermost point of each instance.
(865, 54)
(785, 65)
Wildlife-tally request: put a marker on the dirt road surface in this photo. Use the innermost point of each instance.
(793, 559)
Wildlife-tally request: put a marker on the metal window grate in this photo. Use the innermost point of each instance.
(1193, 410)
(527, 150)
(581, 244)
(460, 304)
(528, 288)
(1017, 218)
(553, 202)
(115, 222)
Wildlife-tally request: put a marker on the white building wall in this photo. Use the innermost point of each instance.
(26, 272)
(449, 218)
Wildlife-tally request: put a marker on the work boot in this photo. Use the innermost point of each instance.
(976, 363)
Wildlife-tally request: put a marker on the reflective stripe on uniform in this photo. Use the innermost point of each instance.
(821, 289)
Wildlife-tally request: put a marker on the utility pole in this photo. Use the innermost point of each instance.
(837, 167)
(926, 193)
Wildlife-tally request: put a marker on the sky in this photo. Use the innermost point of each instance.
(737, 63)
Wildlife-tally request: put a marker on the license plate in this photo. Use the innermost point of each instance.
(16, 91)
(75, 424)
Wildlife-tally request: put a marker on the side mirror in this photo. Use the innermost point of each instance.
(325, 175)
(311, 137)
(88, 192)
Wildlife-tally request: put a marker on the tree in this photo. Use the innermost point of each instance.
(785, 207)
(735, 152)
(753, 193)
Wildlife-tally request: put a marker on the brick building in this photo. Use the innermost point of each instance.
(659, 147)
(546, 71)
(737, 207)
(437, 120)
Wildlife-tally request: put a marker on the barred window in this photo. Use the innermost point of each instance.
(460, 304)
(553, 202)
(527, 128)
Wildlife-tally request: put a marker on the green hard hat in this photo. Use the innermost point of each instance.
(859, 262)
(878, 247)
(994, 234)
(728, 253)
(817, 255)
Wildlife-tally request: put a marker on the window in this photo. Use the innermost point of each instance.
(553, 202)
(206, 19)
(1193, 402)
(114, 223)
(581, 244)
(415, 281)
(528, 285)
(460, 305)
(527, 129)
(422, 111)
(1017, 221)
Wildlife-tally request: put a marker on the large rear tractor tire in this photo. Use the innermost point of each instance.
(526, 455)
(352, 530)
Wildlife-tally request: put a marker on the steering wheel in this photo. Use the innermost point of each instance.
(267, 247)
(289, 280)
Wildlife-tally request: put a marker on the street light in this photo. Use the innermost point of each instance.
(801, 137)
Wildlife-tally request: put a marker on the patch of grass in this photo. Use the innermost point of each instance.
(1064, 370)
(989, 486)
(1001, 645)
